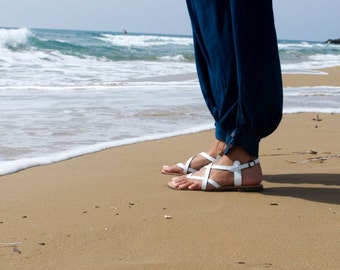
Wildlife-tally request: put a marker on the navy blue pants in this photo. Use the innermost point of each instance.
(238, 68)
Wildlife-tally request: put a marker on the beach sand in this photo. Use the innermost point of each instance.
(113, 209)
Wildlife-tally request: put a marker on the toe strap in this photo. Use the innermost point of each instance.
(205, 178)
(186, 167)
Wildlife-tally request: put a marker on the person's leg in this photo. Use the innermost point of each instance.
(258, 108)
(214, 55)
(209, 58)
(240, 76)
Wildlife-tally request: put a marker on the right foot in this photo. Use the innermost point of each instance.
(221, 175)
(197, 162)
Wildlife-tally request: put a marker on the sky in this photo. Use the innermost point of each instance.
(314, 20)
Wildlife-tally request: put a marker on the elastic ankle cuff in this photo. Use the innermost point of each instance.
(244, 139)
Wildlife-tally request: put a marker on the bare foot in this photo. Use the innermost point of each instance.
(197, 162)
(251, 176)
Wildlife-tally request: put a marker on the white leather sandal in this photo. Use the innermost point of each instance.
(236, 168)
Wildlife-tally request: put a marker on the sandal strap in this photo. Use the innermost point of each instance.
(205, 178)
(208, 157)
(237, 168)
(186, 167)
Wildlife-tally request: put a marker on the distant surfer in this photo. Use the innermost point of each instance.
(124, 31)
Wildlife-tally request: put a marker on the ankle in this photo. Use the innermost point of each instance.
(217, 148)
(238, 153)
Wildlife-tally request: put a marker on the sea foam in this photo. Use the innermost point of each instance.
(144, 40)
(14, 37)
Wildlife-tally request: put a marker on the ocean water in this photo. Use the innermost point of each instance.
(68, 93)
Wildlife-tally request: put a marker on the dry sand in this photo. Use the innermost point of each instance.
(328, 77)
(108, 210)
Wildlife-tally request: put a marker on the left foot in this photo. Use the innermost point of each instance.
(197, 162)
(251, 176)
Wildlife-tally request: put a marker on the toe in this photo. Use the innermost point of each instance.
(171, 169)
(184, 183)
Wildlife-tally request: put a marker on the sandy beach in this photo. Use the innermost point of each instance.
(113, 209)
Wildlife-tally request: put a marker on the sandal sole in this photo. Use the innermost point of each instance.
(256, 188)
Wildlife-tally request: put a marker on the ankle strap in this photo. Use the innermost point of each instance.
(248, 164)
(239, 167)
(236, 169)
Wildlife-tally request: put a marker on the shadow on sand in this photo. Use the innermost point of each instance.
(329, 192)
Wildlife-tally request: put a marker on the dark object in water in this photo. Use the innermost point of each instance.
(333, 41)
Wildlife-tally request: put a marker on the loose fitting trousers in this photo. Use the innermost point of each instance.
(238, 68)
